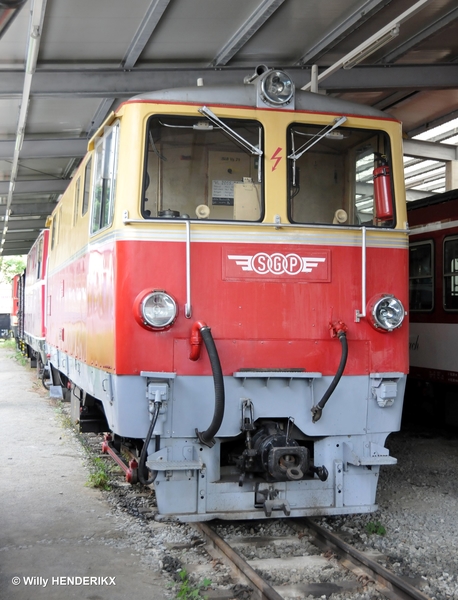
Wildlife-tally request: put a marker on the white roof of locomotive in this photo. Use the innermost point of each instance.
(245, 95)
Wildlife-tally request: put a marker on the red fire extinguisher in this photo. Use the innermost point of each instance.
(382, 189)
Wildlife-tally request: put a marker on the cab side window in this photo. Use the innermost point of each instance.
(104, 184)
(87, 187)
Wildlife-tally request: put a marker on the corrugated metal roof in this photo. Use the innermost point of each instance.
(91, 56)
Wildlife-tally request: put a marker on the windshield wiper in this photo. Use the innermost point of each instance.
(254, 150)
(296, 154)
(233, 134)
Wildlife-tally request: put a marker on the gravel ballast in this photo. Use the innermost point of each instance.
(414, 531)
(418, 508)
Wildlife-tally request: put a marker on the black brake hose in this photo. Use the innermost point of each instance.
(144, 452)
(45, 385)
(318, 408)
(207, 437)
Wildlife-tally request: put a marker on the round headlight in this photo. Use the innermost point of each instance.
(159, 310)
(277, 88)
(387, 312)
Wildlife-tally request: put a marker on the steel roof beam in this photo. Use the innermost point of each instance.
(111, 83)
(21, 226)
(115, 83)
(417, 77)
(36, 186)
(433, 123)
(19, 246)
(366, 48)
(254, 22)
(149, 23)
(393, 99)
(420, 36)
(45, 148)
(367, 189)
(37, 15)
(20, 243)
(412, 195)
(430, 150)
(342, 29)
(22, 237)
(142, 36)
(31, 208)
(100, 115)
(16, 249)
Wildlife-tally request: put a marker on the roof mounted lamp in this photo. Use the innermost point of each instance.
(277, 88)
(274, 87)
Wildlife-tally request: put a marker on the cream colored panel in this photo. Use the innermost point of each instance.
(225, 168)
(322, 188)
(183, 178)
(247, 201)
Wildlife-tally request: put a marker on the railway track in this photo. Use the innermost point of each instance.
(282, 559)
(291, 560)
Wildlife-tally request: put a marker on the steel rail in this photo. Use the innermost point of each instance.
(325, 539)
(388, 583)
(266, 591)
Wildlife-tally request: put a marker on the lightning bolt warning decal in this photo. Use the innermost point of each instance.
(276, 158)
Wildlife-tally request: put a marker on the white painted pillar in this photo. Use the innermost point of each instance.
(451, 175)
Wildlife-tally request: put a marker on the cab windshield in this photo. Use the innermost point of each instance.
(339, 175)
(199, 168)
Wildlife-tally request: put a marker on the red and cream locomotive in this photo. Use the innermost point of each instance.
(225, 293)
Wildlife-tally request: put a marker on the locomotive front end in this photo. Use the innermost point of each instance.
(257, 252)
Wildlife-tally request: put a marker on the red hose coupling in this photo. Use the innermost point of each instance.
(132, 472)
(337, 328)
(105, 444)
(196, 339)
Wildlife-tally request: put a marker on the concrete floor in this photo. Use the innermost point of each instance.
(50, 522)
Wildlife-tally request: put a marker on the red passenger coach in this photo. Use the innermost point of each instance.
(33, 313)
(433, 381)
(227, 278)
(15, 305)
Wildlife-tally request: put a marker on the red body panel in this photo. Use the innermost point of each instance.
(274, 320)
(15, 299)
(35, 295)
(81, 308)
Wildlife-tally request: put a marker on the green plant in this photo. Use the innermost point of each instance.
(17, 355)
(63, 415)
(189, 592)
(20, 358)
(100, 474)
(9, 267)
(9, 343)
(375, 527)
